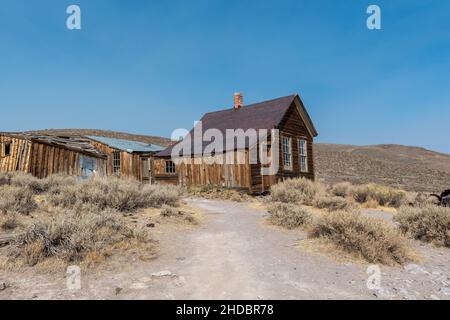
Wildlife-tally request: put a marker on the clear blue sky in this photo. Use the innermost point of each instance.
(152, 66)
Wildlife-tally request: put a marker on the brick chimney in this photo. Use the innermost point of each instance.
(238, 101)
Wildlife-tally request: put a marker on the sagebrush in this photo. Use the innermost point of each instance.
(428, 223)
(71, 236)
(289, 215)
(373, 239)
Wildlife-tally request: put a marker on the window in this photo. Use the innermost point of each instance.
(170, 167)
(5, 149)
(287, 154)
(303, 155)
(116, 163)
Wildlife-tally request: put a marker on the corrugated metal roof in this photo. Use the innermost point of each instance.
(127, 145)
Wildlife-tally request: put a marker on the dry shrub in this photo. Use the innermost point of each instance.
(289, 215)
(70, 237)
(172, 212)
(374, 239)
(9, 222)
(384, 196)
(214, 192)
(113, 193)
(428, 223)
(341, 189)
(168, 211)
(301, 191)
(16, 199)
(333, 203)
(370, 204)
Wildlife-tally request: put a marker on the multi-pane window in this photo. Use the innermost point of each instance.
(170, 166)
(287, 154)
(116, 163)
(303, 155)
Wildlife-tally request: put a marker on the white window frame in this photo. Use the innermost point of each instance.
(287, 153)
(303, 155)
(169, 164)
(117, 163)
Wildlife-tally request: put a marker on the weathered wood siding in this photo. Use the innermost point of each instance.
(42, 160)
(131, 163)
(293, 126)
(207, 170)
(46, 160)
(19, 158)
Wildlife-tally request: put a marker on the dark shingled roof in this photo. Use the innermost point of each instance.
(263, 115)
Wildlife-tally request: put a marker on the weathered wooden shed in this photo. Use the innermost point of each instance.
(127, 158)
(43, 155)
(296, 134)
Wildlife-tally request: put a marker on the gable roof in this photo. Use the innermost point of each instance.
(262, 115)
(127, 145)
(77, 144)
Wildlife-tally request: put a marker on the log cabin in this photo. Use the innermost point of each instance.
(295, 135)
(44, 155)
(126, 158)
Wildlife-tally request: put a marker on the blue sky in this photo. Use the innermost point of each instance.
(149, 67)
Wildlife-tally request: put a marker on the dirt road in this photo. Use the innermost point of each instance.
(235, 255)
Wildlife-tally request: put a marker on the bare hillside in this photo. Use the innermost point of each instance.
(106, 133)
(410, 168)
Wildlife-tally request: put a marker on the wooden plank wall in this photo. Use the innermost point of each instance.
(46, 160)
(42, 160)
(208, 170)
(131, 163)
(293, 126)
(19, 159)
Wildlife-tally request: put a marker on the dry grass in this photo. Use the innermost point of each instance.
(428, 223)
(16, 199)
(9, 222)
(300, 191)
(341, 189)
(384, 196)
(288, 215)
(113, 193)
(214, 192)
(373, 239)
(333, 203)
(73, 237)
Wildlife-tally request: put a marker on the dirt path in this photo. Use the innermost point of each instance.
(234, 255)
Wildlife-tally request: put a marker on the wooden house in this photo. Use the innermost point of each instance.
(127, 158)
(43, 155)
(287, 115)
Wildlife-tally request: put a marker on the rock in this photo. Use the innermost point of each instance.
(164, 273)
(4, 286)
(118, 290)
(150, 225)
(415, 269)
(445, 290)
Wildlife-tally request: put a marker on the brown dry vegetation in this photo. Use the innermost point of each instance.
(429, 223)
(408, 168)
(75, 221)
(374, 239)
(214, 192)
(289, 216)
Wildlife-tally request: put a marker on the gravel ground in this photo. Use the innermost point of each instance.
(234, 254)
